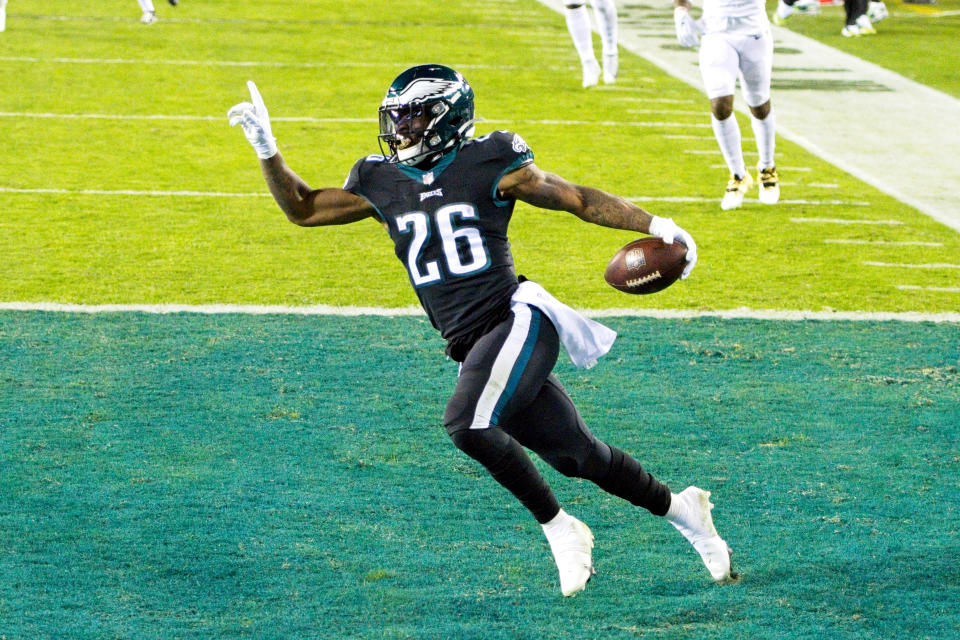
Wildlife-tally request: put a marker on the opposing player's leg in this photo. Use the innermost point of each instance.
(578, 24)
(502, 374)
(719, 68)
(605, 13)
(149, 15)
(756, 68)
(3, 15)
(552, 427)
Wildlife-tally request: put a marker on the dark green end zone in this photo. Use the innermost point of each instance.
(234, 476)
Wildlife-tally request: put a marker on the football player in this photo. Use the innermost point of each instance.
(446, 199)
(736, 41)
(3, 15)
(149, 13)
(578, 24)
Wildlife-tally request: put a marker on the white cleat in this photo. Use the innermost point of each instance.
(737, 188)
(571, 549)
(850, 31)
(148, 17)
(591, 73)
(866, 27)
(696, 525)
(877, 11)
(769, 185)
(611, 64)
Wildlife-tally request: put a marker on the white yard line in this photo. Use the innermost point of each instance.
(913, 287)
(890, 243)
(135, 192)
(328, 310)
(846, 221)
(901, 265)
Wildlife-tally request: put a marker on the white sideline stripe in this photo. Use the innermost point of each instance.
(904, 243)
(914, 287)
(158, 116)
(321, 310)
(133, 192)
(847, 221)
(932, 265)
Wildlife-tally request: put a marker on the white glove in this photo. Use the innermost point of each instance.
(255, 121)
(687, 31)
(668, 231)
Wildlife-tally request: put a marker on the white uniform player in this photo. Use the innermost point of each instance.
(3, 15)
(735, 42)
(578, 24)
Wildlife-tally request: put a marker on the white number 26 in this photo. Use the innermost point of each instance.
(452, 237)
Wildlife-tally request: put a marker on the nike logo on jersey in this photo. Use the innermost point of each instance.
(431, 194)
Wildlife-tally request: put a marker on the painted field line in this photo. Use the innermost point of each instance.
(847, 221)
(240, 63)
(134, 192)
(157, 116)
(889, 243)
(660, 100)
(815, 203)
(667, 314)
(914, 287)
(676, 113)
(779, 168)
(934, 265)
(264, 194)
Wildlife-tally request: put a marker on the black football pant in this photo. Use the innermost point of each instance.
(854, 9)
(506, 399)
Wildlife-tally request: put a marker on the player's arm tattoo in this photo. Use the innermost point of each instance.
(550, 191)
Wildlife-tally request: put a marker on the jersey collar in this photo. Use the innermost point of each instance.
(428, 176)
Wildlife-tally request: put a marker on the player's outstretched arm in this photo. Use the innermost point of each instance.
(549, 191)
(301, 204)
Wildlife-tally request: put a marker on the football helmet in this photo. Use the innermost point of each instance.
(427, 112)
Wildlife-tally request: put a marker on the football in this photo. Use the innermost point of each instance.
(646, 265)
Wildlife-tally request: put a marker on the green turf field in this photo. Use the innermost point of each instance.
(286, 476)
(212, 477)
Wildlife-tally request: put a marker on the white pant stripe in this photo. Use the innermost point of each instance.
(502, 367)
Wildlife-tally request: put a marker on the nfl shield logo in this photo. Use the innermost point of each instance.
(428, 178)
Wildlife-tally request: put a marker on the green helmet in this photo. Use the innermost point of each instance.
(427, 112)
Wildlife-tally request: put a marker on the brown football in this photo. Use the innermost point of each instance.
(646, 265)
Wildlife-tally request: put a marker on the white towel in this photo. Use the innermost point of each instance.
(584, 339)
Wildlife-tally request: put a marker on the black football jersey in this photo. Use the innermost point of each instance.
(449, 228)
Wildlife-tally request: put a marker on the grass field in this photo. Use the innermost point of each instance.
(285, 476)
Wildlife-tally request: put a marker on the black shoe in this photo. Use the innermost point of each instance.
(172, 2)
